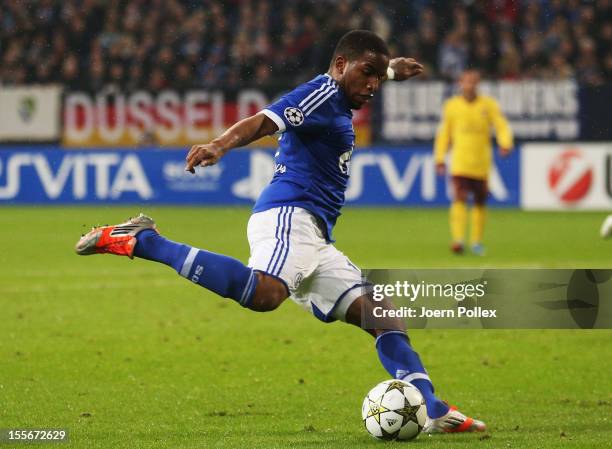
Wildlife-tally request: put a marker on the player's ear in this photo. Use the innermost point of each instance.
(341, 63)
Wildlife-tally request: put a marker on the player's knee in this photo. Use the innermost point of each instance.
(361, 313)
(269, 294)
(380, 331)
(391, 324)
(461, 197)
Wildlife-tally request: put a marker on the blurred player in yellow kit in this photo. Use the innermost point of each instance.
(466, 126)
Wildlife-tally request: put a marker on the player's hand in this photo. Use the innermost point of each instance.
(405, 68)
(503, 152)
(203, 155)
(441, 169)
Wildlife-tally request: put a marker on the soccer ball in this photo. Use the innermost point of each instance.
(394, 410)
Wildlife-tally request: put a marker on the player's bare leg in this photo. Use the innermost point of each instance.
(402, 362)
(269, 293)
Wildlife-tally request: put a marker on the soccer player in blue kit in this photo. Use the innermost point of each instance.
(290, 231)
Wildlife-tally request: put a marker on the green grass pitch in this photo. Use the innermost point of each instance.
(126, 354)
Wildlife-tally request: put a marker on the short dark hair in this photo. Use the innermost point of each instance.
(355, 43)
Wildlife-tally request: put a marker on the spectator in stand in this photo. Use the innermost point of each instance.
(427, 39)
(369, 16)
(482, 53)
(510, 65)
(533, 59)
(607, 66)
(71, 75)
(558, 68)
(183, 77)
(587, 67)
(145, 43)
(452, 59)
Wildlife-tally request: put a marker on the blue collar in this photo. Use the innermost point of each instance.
(341, 95)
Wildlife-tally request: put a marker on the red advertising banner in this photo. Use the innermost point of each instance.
(169, 118)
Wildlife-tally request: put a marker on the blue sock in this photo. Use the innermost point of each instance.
(152, 246)
(402, 362)
(223, 275)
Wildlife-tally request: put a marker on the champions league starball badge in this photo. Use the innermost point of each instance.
(294, 115)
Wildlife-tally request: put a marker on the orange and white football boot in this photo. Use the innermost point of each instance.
(454, 422)
(118, 239)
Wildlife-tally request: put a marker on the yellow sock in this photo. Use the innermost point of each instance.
(478, 222)
(458, 220)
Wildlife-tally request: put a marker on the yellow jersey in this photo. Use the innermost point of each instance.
(466, 126)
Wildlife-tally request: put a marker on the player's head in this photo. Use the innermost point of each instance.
(359, 65)
(468, 82)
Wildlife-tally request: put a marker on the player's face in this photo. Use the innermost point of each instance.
(362, 77)
(468, 83)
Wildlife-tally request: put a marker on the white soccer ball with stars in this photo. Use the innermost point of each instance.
(394, 410)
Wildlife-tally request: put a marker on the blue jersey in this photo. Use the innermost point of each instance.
(312, 162)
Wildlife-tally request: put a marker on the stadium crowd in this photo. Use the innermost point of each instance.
(88, 44)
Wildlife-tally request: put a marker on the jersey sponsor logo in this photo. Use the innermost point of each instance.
(294, 116)
(570, 176)
(344, 160)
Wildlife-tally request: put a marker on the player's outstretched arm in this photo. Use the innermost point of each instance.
(242, 133)
(404, 68)
(503, 132)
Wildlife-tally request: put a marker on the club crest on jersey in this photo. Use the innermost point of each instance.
(298, 280)
(295, 116)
